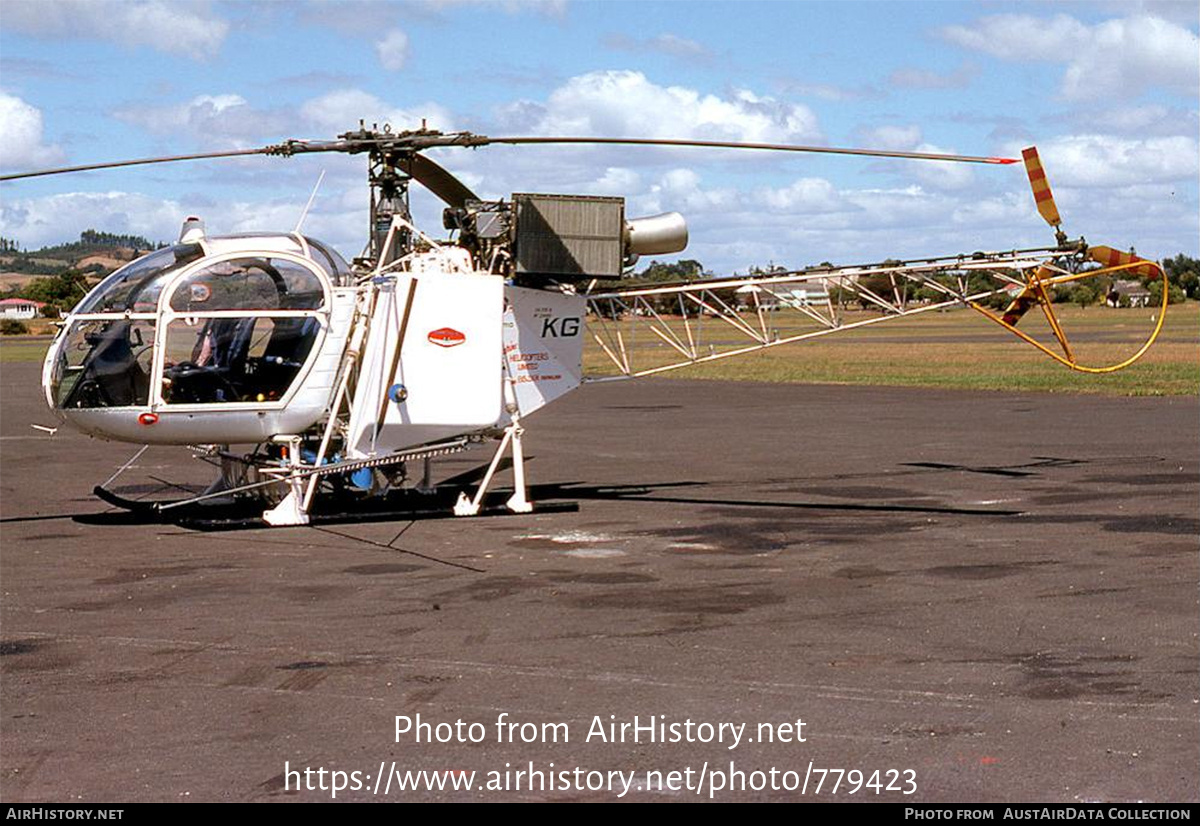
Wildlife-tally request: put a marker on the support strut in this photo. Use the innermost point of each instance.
(292, 510)
(518, 502)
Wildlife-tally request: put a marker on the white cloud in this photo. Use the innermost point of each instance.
(1005, 209)
(1141, 121)
(682, 186)
(678, 46)
(214, 121)
(627, 104)
(906, 207)
(913, 78)
(1132, 54)
(1021, 37)
(228, 120)
(1180, 11)
(37, 222)
(1121, 57)
(42, 221)
(202, 114)
(828, 91)
(393, 50)
(805, 196)
(340, 110)
(668, 44)
(617, 181)
(353, 17)
(359, 17)
(1135, 119)
(892, 137)
(172, 27)
(944, 175)
(1108, 162)
(549, 8)
(21, 146)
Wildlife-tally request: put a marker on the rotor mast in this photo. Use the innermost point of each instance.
(389, 183)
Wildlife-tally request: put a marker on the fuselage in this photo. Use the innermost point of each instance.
(246, 339)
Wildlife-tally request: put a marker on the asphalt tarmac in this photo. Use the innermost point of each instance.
(963, 596)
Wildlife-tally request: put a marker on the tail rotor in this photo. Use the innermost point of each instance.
(1041, 281)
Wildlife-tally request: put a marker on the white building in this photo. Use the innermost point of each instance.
(1134, 291)
(21, 308)
(784, 295)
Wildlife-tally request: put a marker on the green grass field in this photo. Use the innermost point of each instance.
(961, 349)
(955, 349)
(15, 349)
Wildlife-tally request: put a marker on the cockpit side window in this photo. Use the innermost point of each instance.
(241, 330)
(235, 359)
(249, 284)
(136, 286)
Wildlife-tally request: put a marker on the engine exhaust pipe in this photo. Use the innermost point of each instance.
(655, 235)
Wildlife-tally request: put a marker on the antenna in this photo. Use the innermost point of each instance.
(308, 206)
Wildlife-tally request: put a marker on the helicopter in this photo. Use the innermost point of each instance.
(344, 375)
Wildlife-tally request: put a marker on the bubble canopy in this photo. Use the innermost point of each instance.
(223, 321)
(136, 287)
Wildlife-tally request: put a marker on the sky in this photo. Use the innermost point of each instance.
(1107, 91)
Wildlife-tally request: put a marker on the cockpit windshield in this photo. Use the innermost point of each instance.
(104, 363)
(137, 286)
(179, 328)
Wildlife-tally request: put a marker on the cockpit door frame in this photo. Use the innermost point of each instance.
(166, 316)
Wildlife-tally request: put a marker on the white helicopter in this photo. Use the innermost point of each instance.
(344, 375)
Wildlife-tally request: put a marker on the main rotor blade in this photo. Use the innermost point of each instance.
(288, 148)
(453, 191)
(437, 180)
(776, 147)
(265, 150)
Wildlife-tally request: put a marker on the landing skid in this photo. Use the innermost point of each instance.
(298, 507)
(393, 514)
(133, 505)
(222, 510)
(406, 505)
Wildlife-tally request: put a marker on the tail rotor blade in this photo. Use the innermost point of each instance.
(1124, 261)
(1041, 187)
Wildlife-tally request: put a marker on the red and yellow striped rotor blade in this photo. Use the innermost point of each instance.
(1027, 298)
(1019, 306)
(1109, 257)
(1041, 187)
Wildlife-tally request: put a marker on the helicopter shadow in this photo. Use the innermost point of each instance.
(660, 493)
(410, 504)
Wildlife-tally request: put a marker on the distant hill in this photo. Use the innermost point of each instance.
(95, 252)
(61, 274)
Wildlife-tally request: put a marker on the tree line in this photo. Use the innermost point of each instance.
(1182, 271)
(90, 241)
